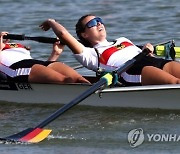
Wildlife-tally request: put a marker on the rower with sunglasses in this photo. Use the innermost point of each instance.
(94, 51)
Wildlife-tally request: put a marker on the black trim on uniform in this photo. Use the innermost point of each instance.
(28, 63)
(136, 69)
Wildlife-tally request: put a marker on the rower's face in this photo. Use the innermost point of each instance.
(94, 29)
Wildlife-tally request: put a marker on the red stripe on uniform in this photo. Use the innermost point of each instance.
(108, 52)
(13, 45)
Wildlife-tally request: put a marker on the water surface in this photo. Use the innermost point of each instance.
(83, 129)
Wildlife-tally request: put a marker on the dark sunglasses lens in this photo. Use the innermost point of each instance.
(99, 20)
(94, 22)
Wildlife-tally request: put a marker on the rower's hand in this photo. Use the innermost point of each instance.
(58, 48)
(2, 41)
(150, 47)
(2, 34)
(46, 25)
(56, 52)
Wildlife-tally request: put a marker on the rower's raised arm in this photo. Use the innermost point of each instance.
(63, 34)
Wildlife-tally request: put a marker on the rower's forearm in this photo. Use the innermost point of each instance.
(53, 57)
(66, 37)
(58, 29)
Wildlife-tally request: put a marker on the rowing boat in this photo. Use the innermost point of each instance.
(156, 96)
(151, 96)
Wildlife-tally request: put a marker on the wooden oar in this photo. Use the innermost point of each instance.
(37, 38)
(37, 134)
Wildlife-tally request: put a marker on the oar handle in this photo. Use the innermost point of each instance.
(14, 37)
(40, 39)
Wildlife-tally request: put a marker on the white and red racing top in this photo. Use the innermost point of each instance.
(112, 54)
(12, 53)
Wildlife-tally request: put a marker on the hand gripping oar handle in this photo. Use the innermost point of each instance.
(104, 81)
(37, 38)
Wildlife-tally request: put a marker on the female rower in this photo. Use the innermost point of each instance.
(17, 63)
(109, 55)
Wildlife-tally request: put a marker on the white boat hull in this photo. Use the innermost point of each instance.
(159, 96)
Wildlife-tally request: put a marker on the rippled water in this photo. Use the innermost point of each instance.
(91, 130)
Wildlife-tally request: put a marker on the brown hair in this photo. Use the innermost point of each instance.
(80, 29)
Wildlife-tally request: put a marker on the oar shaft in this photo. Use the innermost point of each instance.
(131, 62)
(37, 38)
(74, 102)
(42, 39)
